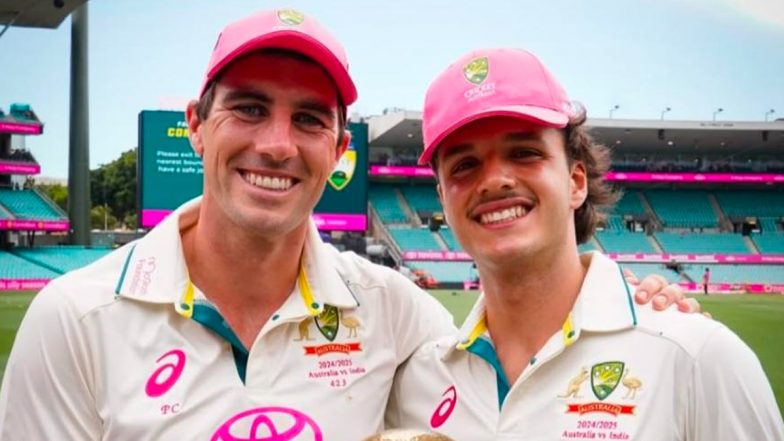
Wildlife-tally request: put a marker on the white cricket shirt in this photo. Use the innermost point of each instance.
(617, 371)
(128, 349)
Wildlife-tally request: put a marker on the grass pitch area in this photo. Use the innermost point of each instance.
(758, 319)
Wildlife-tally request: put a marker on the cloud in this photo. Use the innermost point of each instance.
(767, 11)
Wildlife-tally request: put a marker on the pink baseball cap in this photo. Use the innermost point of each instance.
(491, 82)
(283, 29)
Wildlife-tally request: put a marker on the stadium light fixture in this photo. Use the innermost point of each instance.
(613, 109)
(716, 112)
(666, 109)
(768, 113)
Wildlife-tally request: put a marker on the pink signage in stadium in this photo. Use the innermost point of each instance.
(33, 225)
(20, 128)
(694, 177)
(625, 257)
(325, 222)
(402, 171)
(15, 168)
(340, 222)
(22, 284)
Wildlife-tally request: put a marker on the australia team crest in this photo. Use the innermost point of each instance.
(476, 71)
(605, 378)
(344, 170)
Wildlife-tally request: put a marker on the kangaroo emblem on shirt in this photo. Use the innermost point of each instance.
(575, 383)
(304, 330)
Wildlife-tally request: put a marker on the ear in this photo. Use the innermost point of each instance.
(343, 145)
(579, 185)
(194, 126)
(440, 192)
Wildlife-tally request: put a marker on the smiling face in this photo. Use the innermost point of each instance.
(508, 190)
(268, 144)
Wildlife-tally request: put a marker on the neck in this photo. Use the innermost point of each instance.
(248, 276)
(526, 303)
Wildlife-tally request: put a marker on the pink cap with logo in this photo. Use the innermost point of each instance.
(491, 82)
(283, 29)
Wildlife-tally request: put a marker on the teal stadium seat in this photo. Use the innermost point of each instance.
(769, 225)
(450, 239)
(708, 243)
(770, 243)
(414, 239)
(27, 204)
(623, 241)
(63, 258)
(644, 269)
(15, 267)
(737, 273)
(422, 198)
(683, 208)
(629, 203)
(759, 203)
(384, 200)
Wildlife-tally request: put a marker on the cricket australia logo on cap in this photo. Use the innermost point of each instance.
(291, 17)
(344, 170)
(476, 71)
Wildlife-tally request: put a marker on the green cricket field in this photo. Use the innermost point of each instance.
(758, 319)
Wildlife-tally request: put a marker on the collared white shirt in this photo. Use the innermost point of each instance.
(128, 349)
(616, 371)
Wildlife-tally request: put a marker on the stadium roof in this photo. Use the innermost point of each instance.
(36, 13)
(404, 129)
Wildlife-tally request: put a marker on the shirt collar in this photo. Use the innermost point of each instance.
(604, 304)
(155, 269)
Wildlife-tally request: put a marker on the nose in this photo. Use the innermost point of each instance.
(274, 139)
(496, 177)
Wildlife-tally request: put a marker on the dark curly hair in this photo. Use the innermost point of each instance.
(580, 146)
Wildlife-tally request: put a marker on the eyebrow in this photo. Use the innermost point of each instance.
(511, 137)
(317, 106)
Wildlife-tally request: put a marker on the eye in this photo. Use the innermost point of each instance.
(309, 120)
(250, 110)
(462, 166)
(525, 153)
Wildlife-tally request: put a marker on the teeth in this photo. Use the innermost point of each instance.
(269, 182)
(502, 215)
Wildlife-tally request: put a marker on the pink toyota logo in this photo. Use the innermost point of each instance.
(268, 424)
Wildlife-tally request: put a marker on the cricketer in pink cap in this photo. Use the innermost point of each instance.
(283, 29)
(491, 82)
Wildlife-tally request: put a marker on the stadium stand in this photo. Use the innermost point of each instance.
(770, 224)
(770, 243)
(384, 200)
(684, 209)
(28, 204)
(15, 267)
(737, 273)
(640, 269)
(414, 239)
(623, 241)
(422, 198)
(741, 203)
(702, 243)
(63, 258)
(450, 240)
(630, 203)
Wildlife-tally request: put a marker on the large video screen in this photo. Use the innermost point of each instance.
(170, 174)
